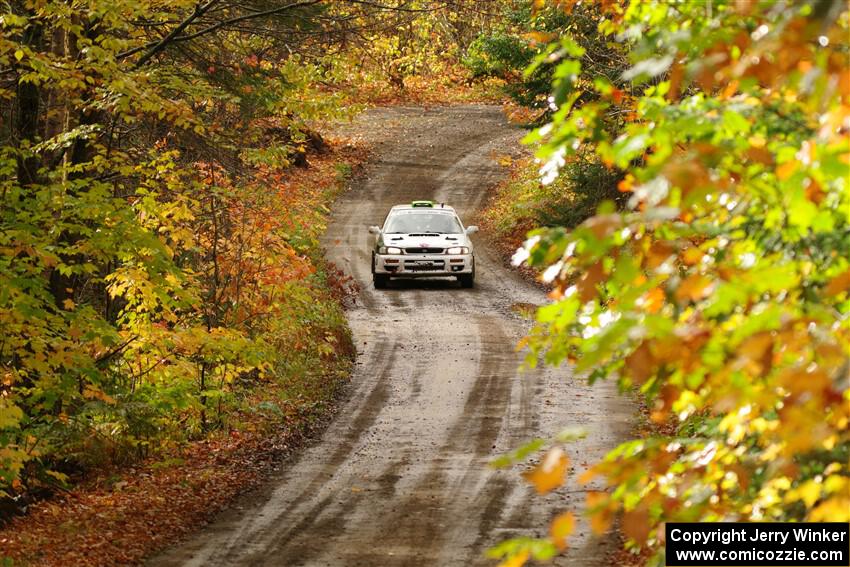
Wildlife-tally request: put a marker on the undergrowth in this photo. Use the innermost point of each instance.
(522, 202)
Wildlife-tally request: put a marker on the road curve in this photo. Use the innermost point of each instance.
(400, 477)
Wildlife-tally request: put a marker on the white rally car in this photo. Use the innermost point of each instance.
(422, 239)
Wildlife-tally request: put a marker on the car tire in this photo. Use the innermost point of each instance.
(467, 280)
(380, 280)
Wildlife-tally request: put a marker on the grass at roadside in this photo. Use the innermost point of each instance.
(118, 514)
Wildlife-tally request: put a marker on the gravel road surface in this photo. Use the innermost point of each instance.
(400, 476)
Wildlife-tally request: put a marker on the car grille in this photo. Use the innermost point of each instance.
(424, 250)
(425, 265)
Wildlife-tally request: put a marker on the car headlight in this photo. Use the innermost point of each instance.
(458, 250)
(389, 250)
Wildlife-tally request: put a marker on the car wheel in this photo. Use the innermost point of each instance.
(467, 280)
(380, 280)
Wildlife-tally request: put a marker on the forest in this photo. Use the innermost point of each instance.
(168, 171)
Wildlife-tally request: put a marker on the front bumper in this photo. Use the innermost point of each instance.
(423, 265)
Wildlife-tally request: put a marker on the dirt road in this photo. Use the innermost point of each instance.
(400, 477)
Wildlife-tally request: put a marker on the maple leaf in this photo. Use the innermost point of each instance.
(550, 473)
(562, 526)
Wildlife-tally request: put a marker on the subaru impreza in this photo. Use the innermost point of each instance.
(422, 239)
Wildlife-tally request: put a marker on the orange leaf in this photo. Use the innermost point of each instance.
(658, 253)
(730, 90)
(742, 474)
(599, 508)
(636, 525)
(562, 526)
(758, 349)
(588, 475)
(617, 96)
(586, 284)
(517, 560)
(626, 184)
(693, 288)
(692, 256)
(687, 175)
(603, 225)
(839, 283)
(800, 381)
(549, 474)
(541, 37)
(814, 192)
(667, 349)
(641, 364)
(653, 300)
(664, 403)
(759, 155)
(677, 72)
(787, 169)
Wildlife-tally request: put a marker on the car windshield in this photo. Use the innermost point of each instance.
(406, 223)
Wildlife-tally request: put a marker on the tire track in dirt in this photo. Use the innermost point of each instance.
(400, 477)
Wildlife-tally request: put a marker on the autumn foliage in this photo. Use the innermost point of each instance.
(721, 292)
(159, 240)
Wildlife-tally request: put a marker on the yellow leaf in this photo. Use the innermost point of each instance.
(549, 474)
(562, 526)
(809, 492)
(68, 304)
(835, 509)
(93, 393)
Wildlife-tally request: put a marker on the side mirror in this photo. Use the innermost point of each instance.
(374, 230)
(471, 229)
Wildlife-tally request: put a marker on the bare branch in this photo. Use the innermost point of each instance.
(199, 11)
(174, 37)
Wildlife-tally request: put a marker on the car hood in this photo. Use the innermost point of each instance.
(429, 241)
